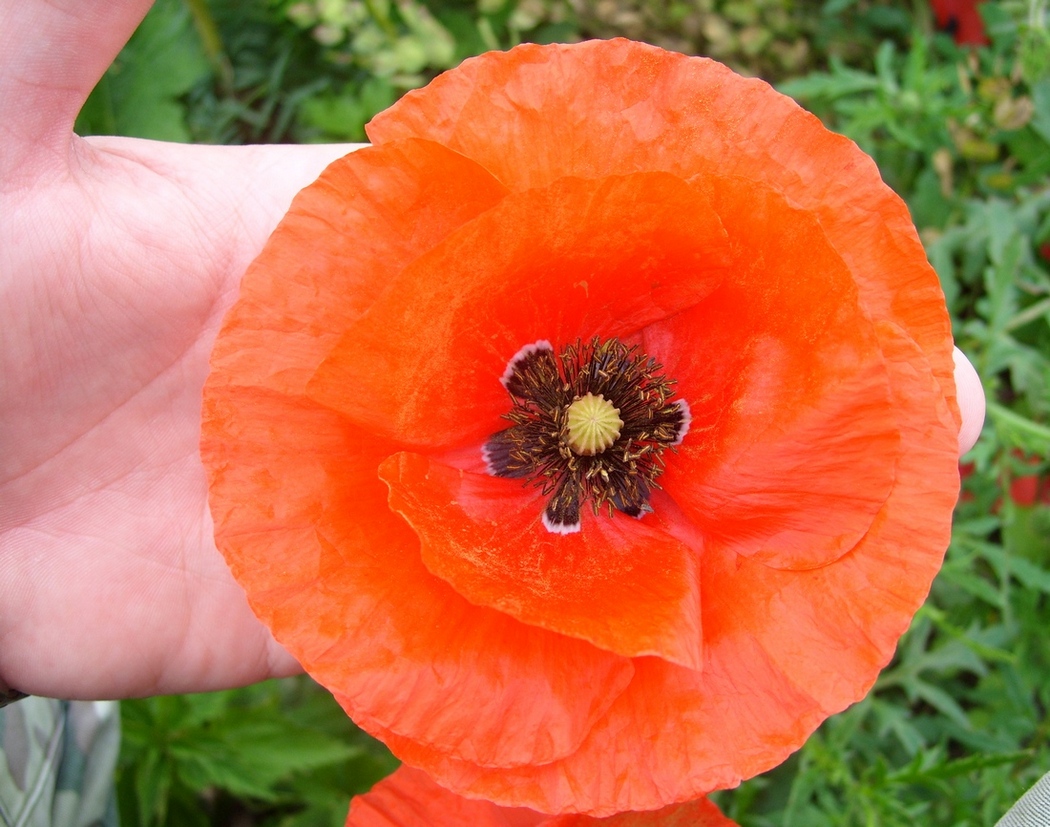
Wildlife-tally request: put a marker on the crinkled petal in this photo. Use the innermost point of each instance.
(410, 798)
(336, 250)
(698, 813)
(539, 113)
(830, 626)
(793, 444)
(673, 735)
(300, 512)
(625, 585)
(783, 649)
(302, 519)
(574, 260)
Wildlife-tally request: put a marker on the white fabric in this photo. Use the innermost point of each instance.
(1033, 809)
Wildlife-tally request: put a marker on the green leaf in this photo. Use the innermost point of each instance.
(1018, 431)
(1041, 116)
(939, 699)
(964, 766)
(201, 708)
(248, 757)
(139, 94)
(820, 86)
(153, 779)
(974, 585)
(897, 721)
(1025, 542)
(343, 116)
(832, 7)
(564, 32)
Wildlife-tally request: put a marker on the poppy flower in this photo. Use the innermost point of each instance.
(409, 798)
(599, 616)
(962, 20)
(966, 470)
(1030, 489)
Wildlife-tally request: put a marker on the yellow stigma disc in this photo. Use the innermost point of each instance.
(593, 425)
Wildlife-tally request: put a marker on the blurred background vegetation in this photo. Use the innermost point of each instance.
(958, 726)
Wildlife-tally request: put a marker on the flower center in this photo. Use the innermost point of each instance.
(591, 423)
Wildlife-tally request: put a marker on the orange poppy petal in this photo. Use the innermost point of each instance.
(673, 735)
(577, 259)
(845, 619)
(698, 813)
(623, 584)
(539, 113)
(409, 798)
(310, 282)
(301, 516)
(793, 445)
(782, 649)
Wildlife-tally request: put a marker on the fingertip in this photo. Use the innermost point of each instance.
(971, 401)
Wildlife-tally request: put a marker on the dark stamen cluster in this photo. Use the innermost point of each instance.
(537, 446)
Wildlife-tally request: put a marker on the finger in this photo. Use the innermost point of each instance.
(971, 401)
(52, 53)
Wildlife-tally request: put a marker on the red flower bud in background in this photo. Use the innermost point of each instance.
(1030, 489)
(962, 20)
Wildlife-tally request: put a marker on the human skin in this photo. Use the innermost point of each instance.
(118, 259)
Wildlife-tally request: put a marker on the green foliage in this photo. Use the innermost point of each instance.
(942, 123)
(957, 726)
(769, 38)
(281, 753)
(139, 95)
(397, 46)
(998, 289)
(223, 71)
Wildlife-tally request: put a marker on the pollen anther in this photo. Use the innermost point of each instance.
(589, 424)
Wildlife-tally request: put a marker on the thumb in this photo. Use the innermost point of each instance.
(52, 53)
(971, 401)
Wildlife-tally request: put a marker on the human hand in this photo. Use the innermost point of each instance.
(118, 258)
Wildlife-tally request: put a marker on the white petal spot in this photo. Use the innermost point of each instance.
(559, 528)
(522, 354)
(687, 419)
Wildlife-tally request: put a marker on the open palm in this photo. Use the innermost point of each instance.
(118, 258)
